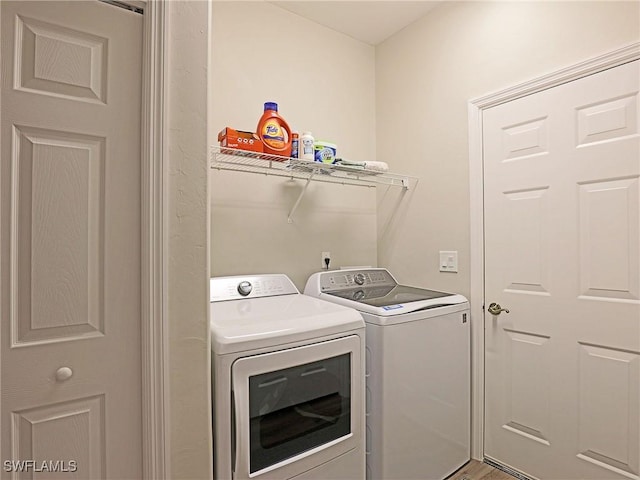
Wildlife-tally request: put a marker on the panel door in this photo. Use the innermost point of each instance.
(70, 241)
(562, 245)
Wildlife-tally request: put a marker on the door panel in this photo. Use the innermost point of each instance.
(57, 235)
(527, 268)
(608, 256)
(527, 408)
(80, 422)
(70, 239)
(60, 61)
(608, 422)
(562, 253)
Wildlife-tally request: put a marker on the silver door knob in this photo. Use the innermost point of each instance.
(496, 309)
(64, 373)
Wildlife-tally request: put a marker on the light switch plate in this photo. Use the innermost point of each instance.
(448, 261)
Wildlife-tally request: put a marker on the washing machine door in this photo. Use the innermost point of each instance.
(296, 409)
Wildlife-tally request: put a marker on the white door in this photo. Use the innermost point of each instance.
(562, 246)
(70, 240)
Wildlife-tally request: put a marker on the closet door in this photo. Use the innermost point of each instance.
(562, 246)
(70, 240)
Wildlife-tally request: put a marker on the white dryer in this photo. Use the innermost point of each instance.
(417, 374)
(288, 382)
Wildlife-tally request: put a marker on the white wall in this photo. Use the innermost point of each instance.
(189, 408)
(425, 76)
(323, 81)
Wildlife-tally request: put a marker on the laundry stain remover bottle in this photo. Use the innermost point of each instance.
(274, 132)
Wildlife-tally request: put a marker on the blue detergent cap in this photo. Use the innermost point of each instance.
(270, 106)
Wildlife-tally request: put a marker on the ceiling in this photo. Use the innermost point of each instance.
(370, 21)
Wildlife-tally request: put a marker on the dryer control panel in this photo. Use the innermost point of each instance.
(250, 286)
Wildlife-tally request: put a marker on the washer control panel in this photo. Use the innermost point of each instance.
(250, 286)
(346, 279)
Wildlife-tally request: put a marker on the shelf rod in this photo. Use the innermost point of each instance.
(295, 205)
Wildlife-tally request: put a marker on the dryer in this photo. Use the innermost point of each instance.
(287, 380)
(418, 377)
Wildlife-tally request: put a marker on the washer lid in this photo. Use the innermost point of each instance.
(391, 305)
(387, 295)
(376, 291)
(253, 323)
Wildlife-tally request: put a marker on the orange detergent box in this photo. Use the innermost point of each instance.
(231, 138)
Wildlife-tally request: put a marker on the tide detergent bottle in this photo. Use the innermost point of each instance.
(274, 132)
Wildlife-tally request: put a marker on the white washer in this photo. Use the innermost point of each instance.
(417, 372)
(288, 382)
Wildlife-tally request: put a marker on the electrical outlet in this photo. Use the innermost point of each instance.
(322, 259)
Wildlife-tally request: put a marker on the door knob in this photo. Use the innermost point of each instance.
(496, 309)
(64, 373)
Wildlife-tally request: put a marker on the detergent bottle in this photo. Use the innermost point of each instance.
(274, 132)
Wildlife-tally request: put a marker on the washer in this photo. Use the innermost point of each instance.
(417, 372)
(288, 382)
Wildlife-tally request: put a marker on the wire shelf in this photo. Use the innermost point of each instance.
(251, 162)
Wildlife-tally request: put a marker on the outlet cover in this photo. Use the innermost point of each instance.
(449, 261)
(325, 255)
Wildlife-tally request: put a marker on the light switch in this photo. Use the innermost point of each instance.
(448, 261)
